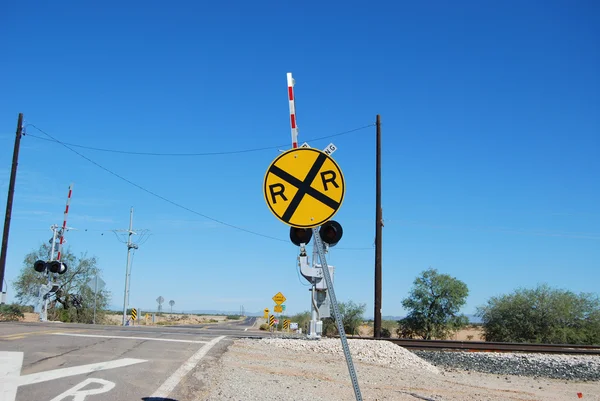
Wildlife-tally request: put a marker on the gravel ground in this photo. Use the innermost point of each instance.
(292, 369)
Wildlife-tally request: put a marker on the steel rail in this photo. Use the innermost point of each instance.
(484, 346)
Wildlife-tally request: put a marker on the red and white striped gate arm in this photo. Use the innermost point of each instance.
(64, 226)
(290, 83)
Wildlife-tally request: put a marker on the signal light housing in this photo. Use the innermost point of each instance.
(53, 266)
(300, 235)
(57, 267)
(331, 232)
(40, 266)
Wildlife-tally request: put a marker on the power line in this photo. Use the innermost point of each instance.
(178, 204)
(157, 195)
(231, 152)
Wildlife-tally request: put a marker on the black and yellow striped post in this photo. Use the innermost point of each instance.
(133, 314)
(286, 324)
(271, 321)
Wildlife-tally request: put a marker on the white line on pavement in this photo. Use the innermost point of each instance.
(10, 370)
(131, 338)
(135, 331)
(75, 370)
(169, 385)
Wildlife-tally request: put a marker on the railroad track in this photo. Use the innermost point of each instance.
(483, 346)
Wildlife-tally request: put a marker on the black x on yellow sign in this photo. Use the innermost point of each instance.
(304, 187)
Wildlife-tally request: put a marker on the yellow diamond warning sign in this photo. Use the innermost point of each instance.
(304, 187)
(279, 298)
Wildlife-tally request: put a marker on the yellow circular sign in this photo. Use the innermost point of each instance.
(304, 187)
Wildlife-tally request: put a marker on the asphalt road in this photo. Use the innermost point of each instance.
(73, 362)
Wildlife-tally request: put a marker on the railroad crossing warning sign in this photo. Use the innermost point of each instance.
(286, 324)
(266, 313)
(279, 298)
(133, 314)
(271, 320)
(277, 309)
(304, 187)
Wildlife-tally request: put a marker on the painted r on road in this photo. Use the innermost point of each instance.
(11, 379)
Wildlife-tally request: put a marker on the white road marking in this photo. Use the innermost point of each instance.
(10, 370)
(169, 385)
(75, 370)
(79, 395)
(132, 338)
(135, 331)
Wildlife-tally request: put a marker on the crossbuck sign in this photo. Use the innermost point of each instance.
(304, 187)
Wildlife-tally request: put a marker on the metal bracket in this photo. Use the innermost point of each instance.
(309, 273)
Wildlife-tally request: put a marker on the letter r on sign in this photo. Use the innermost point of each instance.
(329, 176)
(280, 190)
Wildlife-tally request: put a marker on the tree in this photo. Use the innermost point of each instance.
(302, 319)
(433, 304)
(74, 301)
(542, 315)
(352, 317)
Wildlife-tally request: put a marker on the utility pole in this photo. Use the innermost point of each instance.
(378, 226)
(130, 246)
(9, 202)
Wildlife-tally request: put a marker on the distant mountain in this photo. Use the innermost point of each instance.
(474, 319)
(220, 312)
(389, 317)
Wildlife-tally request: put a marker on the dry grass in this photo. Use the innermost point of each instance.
(31, 317)
(471, 333)
(165, 319)
(168, 319)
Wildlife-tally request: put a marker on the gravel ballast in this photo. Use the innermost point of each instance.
(293, 369)
(376, 352)
(566, 367)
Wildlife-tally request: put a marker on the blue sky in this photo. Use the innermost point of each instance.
(491, 145)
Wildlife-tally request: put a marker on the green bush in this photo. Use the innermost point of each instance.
(352, 318)
(25, 308)
(302, 319)
(329, 327)
(388, 327)
(264, 327)
(542, 315)
(11, 313)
